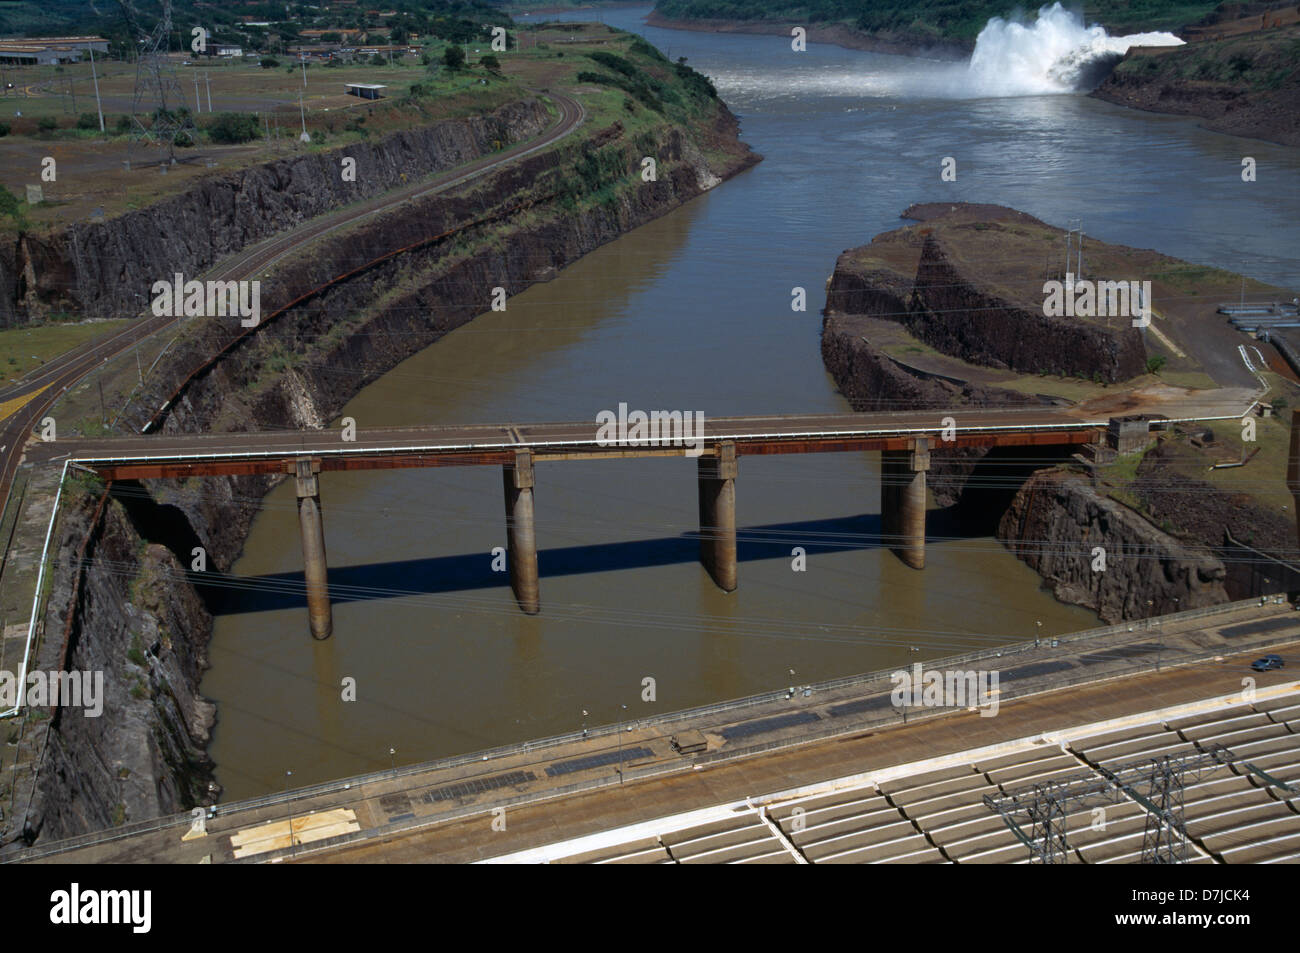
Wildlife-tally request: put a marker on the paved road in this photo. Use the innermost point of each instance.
(266, 452)
(34, 395)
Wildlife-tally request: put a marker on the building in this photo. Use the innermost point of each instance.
(365, 90)
(49, 50)
(315, 36)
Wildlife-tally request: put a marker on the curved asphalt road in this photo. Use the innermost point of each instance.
(44, 386)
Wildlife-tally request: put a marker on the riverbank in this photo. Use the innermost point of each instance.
(838, 34)
(1245, 84)
(331, 327)
(888, 341)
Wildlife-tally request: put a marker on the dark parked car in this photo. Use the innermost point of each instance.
(1267, 663)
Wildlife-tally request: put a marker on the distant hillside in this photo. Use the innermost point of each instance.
(233, 22)
(1242, 84)
(919, 20)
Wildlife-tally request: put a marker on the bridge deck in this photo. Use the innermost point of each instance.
(181, 455)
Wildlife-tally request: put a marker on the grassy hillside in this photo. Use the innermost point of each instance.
(1242, 84)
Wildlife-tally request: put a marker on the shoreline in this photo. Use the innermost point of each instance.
(838, 34)
(1224, 109)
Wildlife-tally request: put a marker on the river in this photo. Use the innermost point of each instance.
(693, 312)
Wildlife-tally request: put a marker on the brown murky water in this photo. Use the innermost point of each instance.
(691, 312)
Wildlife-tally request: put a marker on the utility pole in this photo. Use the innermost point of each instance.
(198, 104)
(95, 76)
(208, 81)
(622, 710)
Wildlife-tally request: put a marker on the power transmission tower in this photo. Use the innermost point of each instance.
(159, 115)
(1156, 785)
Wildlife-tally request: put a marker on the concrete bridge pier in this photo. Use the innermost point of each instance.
(717, 483)
(521, 535)
(902, 500)
(319, 614)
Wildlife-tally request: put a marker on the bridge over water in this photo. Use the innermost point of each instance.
(904, 440)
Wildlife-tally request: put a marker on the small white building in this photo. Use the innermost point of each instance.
(365, 90)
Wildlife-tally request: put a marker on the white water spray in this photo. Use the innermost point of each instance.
(1054, 54)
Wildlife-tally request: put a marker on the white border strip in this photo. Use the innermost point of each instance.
(36, 597)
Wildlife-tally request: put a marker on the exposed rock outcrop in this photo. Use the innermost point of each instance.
(955, 312)
(144, 754)
(1056, 524)
(97, 269)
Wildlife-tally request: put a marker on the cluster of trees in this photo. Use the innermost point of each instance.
(457, 21)
(644, 86)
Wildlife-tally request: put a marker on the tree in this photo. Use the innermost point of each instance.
(9, 207)
(269, 62)
(453, 57)
(490, 62)
(234, 127)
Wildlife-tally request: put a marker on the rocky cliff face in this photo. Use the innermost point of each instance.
(98, 269)
(136, 615)
(951, 311)
(122, 616)
(1049, 518)
(1056, 524)
(873, 381)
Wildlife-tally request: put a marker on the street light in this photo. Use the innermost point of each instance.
(622, 708)
(287, 776)
(392, 760)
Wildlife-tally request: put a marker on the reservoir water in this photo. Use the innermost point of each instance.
(692, 312)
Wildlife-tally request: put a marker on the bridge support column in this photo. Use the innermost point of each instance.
(902, 501)
(521, 536)
(717, 482)
(1293, 467)
(319, 614)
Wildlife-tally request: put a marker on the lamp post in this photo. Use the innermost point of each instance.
(622, 709)
(392, 760)
(287, 776)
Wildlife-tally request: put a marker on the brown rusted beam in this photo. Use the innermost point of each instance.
(180, 471)
(834, 445)
(400, 459)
